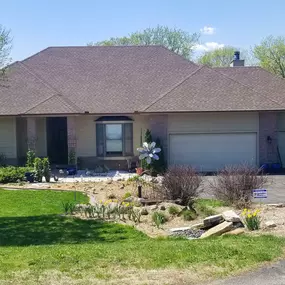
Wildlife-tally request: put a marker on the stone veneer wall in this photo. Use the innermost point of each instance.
(268, 127)
(158, 127)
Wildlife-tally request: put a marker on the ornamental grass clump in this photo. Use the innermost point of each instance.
(251, 219)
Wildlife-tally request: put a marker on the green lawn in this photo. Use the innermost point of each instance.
(40, 246)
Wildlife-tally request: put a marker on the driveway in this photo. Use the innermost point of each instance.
(275, 187)
(269, 275)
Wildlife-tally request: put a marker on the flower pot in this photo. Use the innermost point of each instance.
(47, 178)
(139, 171)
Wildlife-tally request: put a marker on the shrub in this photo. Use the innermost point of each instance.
(251, 219)
(46, 169)
(181, 182)
(13, 174)
(31, 156)
(38, 169)
(127, 195)
(204, 209)
(234, 184)
(173, 210)
(159, 218)
(158, 166)
(189, 215)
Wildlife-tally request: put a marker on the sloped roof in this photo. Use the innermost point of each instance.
(209, 90)
(118, 80)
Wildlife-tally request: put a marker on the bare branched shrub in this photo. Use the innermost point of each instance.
(181, 183)
(234, 184)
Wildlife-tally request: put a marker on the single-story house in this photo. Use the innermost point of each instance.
(98, 102)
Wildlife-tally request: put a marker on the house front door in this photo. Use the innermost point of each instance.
(57, 147)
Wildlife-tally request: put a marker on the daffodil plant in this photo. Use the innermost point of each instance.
(149, 152)
(251, 219)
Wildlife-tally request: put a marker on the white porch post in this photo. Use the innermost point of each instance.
(71, 140)
(31, 133)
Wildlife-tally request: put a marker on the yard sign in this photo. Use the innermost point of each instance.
(259, 193)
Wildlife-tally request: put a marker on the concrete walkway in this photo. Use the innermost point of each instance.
(269, 275)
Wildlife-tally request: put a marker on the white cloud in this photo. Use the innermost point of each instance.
(207, 30)
(208, 46)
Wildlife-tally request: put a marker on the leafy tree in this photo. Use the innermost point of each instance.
(218, 57)
(177, 40)
(5, 47)
(271, 54)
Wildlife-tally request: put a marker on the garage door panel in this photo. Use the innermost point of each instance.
(210, 152)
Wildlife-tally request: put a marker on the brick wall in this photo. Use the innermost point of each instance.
(268, 127)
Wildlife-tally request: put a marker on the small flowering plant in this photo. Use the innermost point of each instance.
(149, 152)
(251, 219)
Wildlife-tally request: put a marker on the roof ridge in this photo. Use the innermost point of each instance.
(47, 99)
(39, 78)
(172, 88)
(249, 87)
(68, 101)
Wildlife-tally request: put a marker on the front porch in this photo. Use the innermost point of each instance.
(81, 139)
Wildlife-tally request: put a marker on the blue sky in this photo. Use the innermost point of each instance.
(37, 24)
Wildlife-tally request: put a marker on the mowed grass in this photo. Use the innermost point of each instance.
(20, 203)
(43, 247)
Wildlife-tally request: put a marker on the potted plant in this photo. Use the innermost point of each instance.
(46, 169)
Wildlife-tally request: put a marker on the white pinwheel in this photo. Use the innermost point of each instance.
(149, 152)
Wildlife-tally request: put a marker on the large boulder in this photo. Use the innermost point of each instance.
(235, 232)
(218, 230)
(231, 216)
(212, 221)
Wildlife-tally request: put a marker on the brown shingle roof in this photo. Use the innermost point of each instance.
(108, 80)
(209, 90)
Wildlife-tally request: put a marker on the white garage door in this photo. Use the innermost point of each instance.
(210, 152)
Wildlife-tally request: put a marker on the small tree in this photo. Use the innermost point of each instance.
(158, 166)
(148, 139)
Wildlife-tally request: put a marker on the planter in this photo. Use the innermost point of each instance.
(30, 177)
(139, 171)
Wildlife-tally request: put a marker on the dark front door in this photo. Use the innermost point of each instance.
(57, 140)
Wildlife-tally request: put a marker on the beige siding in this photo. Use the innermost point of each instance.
(140, 126)
(41, 146)
(213, 122)
(86, 134)
(281, 121)
(8, 145)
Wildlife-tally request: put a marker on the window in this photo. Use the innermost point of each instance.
(114, 137)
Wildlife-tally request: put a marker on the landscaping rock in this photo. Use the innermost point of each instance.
(270, 224)
(212, 221)
(218, 230)
(129, 199)
(231, 216)
(188, 233)
(237, 231)
(179, 229)
(162, 208)
(197, 226)
(144, 211)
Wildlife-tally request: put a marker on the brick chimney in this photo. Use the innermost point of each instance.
(236, 60)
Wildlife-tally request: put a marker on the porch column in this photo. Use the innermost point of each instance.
(71, 140)
(31, 133)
